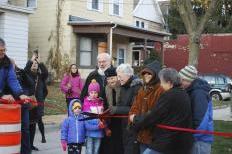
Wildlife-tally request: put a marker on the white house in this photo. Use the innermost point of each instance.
(14, 25)
(147, 15)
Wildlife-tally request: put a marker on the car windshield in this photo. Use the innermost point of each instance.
(210, 79)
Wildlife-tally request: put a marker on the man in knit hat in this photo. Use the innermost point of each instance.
(201, 103)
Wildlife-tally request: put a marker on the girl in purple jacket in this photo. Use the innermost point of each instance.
(71, 84)
(94, 128)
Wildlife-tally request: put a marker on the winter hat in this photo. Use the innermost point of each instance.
(188, 73)
(94, 86)
(76, 104)
(110, 72)
(152, 68)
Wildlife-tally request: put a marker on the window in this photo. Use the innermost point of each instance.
(220, 80)
(95, 4)
(32, 3)
(121, 56)
(85, 51)
(142, 24)
(137, 23)
(210, 79)
(116, 7)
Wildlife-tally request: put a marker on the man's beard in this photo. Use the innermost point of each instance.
(101, 71)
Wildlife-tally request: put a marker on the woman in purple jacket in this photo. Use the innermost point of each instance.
(71, 84)
(73, 130)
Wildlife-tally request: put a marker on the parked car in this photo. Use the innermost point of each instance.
(221, 86)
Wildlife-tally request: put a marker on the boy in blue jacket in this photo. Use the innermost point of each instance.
(73, 130)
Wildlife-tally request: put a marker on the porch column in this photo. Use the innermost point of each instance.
(109, 43)
(145, 49)
(162, 53)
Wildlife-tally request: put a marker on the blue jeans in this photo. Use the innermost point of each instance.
(200, 147)
(92, 145)
(145, 150)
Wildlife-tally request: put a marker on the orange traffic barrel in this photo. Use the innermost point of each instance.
(10, 128)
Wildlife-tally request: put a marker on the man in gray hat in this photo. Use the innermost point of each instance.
(202, 111)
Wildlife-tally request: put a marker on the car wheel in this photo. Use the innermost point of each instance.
(216, 96)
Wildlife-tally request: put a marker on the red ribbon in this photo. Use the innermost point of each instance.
(21, 102)
(227, 135)
(35, 103)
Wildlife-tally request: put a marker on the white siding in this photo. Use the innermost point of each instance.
(15, 33)
(3, 1)
(1, 25)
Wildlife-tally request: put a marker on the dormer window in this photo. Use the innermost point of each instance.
(141, 24)
(137, 24)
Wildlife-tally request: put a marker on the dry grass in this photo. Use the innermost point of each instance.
(55, 101)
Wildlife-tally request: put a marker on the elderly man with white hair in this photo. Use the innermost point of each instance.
(130, 85)
(103, 62)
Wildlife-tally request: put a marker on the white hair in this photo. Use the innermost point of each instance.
(126, 69)
(105, 55)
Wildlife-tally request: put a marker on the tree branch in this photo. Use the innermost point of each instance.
(184, 15)
(206, 17)
(191, 13)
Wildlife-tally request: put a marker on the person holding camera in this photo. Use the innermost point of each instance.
(37, 73)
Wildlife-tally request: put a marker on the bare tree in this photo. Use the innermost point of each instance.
(194, 26)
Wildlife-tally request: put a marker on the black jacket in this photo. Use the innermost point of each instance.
(174, 109)
(40, 89)
(126, 98)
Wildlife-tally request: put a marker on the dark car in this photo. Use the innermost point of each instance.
(220, 85)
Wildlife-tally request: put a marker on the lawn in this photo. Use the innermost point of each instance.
(55, 101)
(222, 103)
(222, 145)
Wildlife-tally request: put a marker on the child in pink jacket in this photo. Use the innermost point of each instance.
(94, 128)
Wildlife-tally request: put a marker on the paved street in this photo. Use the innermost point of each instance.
(53, 141)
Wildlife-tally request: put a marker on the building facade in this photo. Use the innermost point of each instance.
(68, 31)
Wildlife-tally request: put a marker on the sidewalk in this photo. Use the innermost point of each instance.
(224, 114)
(54, 119)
